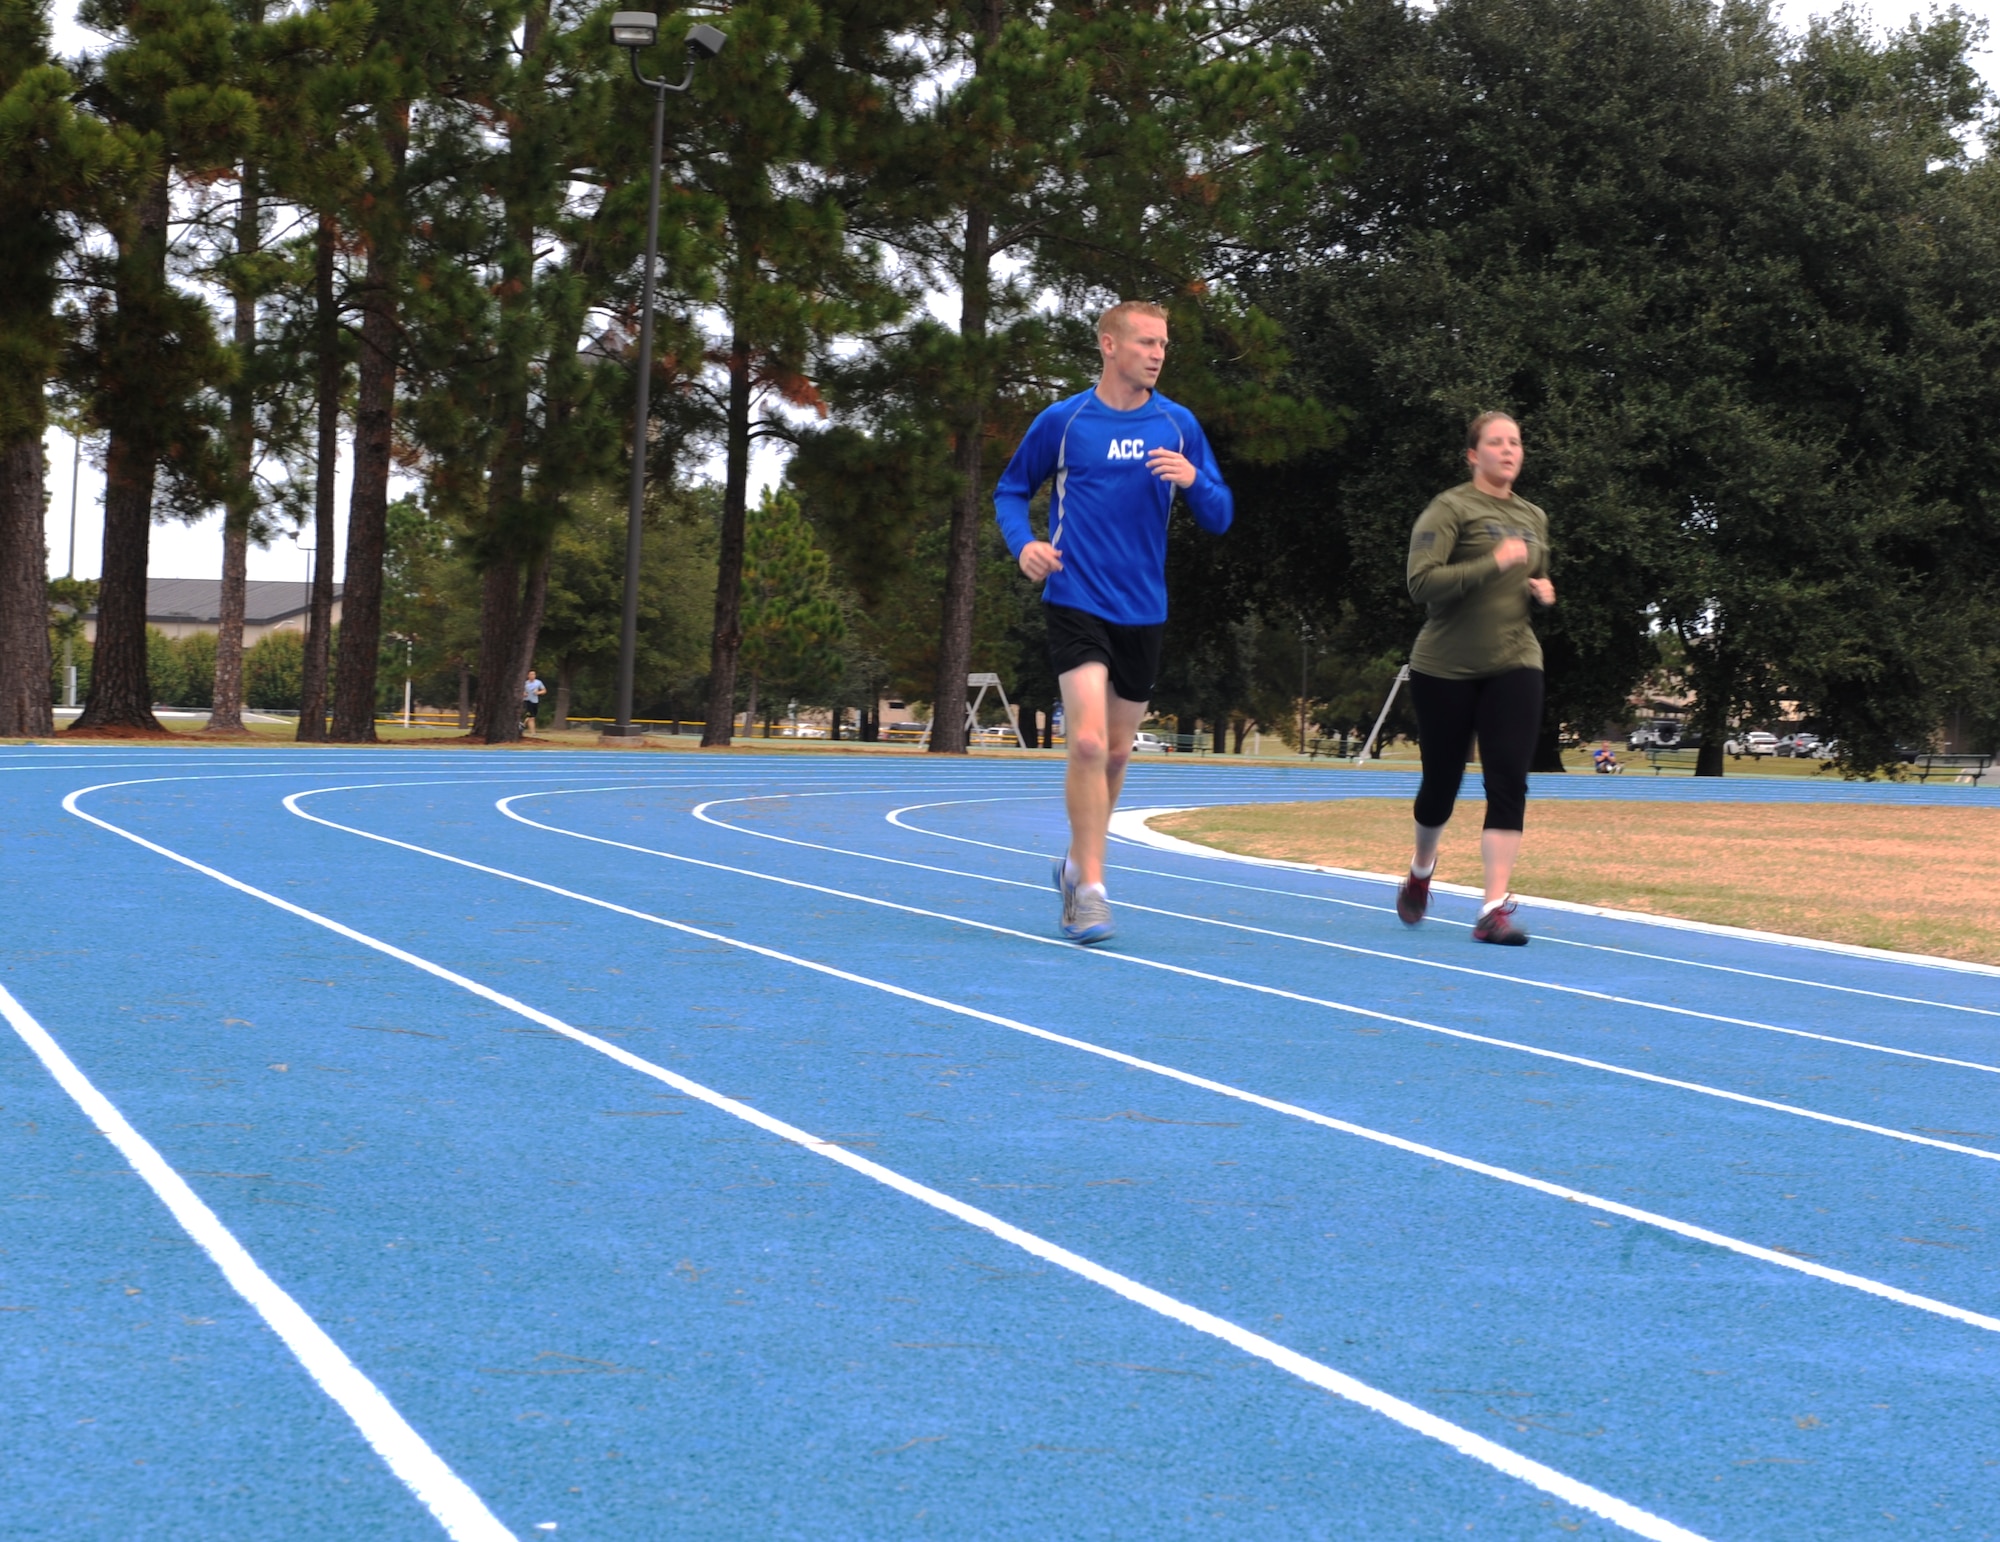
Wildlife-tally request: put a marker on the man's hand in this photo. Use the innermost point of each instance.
(1171, 466)
(1543, 591)
(1511, 553)
(1039, 559)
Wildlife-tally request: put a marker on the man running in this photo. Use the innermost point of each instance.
(1118, 453)
(1478, 555)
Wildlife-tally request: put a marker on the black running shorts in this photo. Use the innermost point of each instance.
(1130, 653)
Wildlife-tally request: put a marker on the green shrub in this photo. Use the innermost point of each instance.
(274, 672)
(196, 653)
(163, 668)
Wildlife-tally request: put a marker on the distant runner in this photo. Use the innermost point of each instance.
(1118, 453)
(531, 703)
(1478, 556)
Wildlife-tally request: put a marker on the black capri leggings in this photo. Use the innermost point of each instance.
(1505, 710)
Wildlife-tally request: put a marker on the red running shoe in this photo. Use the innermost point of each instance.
(1413, 899)
(1497, 925)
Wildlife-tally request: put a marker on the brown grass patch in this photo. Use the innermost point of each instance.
(1918, 880)
(119, 731)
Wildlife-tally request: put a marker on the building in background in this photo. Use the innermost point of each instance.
(180, 607)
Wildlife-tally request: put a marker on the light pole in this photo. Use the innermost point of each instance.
(632, 31)
(69, 637)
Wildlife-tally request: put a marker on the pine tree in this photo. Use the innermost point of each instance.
(795, 114)
(416, 51)
(318, 66)
(793, 626)
(165, 87)
(274, 62)
(1120, 151)
(54, 161)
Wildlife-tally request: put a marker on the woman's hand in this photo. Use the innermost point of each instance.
(1543, 592)
(1511, 553)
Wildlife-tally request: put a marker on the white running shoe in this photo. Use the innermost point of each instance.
(1086, 914)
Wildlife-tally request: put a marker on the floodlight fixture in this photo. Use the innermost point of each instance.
(635, 29)
(704, 41)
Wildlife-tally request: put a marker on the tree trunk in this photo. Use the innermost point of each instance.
(750, 709)
(510, 624)
(968, 519)
(1710, 718)
(226, 711)
(464, 697)
(1548, 749)
(120, 694)
(1242, 728)
(499, 716)
(319, 616)
(368, 506)
(25, 705)
(528, 624)
(728, 639)
(565, 670)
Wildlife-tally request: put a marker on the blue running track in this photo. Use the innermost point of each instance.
(400, 1144)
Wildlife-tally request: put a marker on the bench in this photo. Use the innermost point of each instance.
(1963, 768)
(1679, 758)
(1337, 748)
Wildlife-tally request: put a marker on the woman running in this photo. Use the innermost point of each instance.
(1478, 555)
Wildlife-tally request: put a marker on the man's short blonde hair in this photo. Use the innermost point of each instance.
(1117, 320)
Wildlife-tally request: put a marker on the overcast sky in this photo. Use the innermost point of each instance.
(181, 551)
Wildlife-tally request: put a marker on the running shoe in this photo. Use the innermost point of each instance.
(1413, 899)
(1497, 925)
(1063, 886)
(1086, 914)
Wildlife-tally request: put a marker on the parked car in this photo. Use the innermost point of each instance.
(1755, 743)
(1148, 743)
(1802, 745)
(1660, 734)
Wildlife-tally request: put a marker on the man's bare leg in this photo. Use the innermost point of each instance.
(1098, 725)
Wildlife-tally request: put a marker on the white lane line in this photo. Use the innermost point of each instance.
(700, 812)
(440, 1490)
(1141, 961)
(1784, 1260)
(1130, 825)
(1670, 923)
(1510, 1463)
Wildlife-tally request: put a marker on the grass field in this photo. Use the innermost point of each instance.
(1917, 880)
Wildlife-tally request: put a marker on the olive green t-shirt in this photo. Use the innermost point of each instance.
(1478, 622)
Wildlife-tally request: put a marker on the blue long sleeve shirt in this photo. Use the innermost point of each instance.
(1108, 511)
